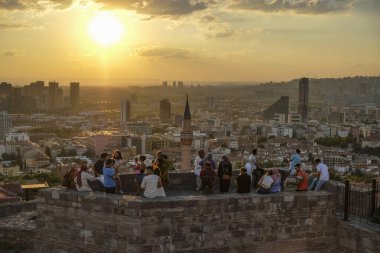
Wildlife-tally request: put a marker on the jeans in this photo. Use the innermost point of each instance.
(317, 183)
(199, 182)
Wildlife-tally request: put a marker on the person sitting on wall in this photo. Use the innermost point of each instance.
(150, 184)
(322, 176)
(243, 181)
(302, 178)
(81, 179)
(109, 176)
(265, 183)
(208, 178)
(276, 176)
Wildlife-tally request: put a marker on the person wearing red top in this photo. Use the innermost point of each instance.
(302, 176)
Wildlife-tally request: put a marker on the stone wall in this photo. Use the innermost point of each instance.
(88, 222)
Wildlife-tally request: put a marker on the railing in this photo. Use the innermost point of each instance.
(359, 202)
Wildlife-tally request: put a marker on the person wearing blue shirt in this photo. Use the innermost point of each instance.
(295, 159)
(109, 176)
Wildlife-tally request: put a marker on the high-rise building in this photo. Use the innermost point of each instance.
(303, 98)
(53, 87)
(125, 112)
(281, 106)
(165, 107)
(186, 138)
(211, 102)
(5, 123)
(74, 95)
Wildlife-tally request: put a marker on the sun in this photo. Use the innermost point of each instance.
(105, 29)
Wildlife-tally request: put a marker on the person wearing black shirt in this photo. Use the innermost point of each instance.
(98, 166)
(243, 181)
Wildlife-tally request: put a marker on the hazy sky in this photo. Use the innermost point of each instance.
(209, 40)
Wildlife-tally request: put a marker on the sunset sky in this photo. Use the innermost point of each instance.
(131, 41)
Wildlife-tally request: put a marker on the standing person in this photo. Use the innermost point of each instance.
(322, 176)
(210, 160)
(81, 179)
(99, 165)
(150, 184)
(224, 174)
(118, 162)
(208, 178)
(257, 171)
(276, 176)
(198, 168)
(302, 177)
(109, 176)
(162, 162)
(243, 181)
(294, 159)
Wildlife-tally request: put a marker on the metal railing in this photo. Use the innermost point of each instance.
(359, 202)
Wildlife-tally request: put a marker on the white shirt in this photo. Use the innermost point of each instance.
(322, 168)
(197, 167)
(252, 161)
(149, 184)
(248, 167)
(84, 177)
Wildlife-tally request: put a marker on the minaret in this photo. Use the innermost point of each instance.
(186, 138)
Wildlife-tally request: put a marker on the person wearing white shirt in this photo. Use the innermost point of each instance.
(247, 166)
(322, 176)
(198, 168)
(150, 184)
(80, 180)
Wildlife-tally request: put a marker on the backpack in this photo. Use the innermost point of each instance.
(225, 172)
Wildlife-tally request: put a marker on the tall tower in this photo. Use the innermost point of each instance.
(303, 98)
(53, 87)
(165, 108)
(186, 138)
(125, 112)
(74, 95)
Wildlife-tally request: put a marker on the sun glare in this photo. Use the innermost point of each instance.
(105, 29)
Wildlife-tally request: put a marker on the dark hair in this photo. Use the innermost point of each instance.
(242, 169)
(118, 153)
(142, 157)
(297, 165)
(298, 151)
(103, 155)
(317, 160)
(109, 161)
(157, 172)
(149, 168)
(201, 152)
(254, 151)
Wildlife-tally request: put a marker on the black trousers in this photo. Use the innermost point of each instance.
(224, 185)
(110, 190)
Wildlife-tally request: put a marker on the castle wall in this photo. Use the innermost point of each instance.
(69, 221)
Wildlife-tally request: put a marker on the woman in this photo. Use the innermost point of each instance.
(276, 176)
(160, 187)
(224, 174)
(118, 161)
(265, 183)
(207, 178)
(81, 179)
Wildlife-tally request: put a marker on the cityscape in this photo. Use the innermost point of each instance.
(154, 126)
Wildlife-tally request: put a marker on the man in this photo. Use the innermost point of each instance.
(150, 184)
(99, 165)
(257, 171)
(208, 178)
(247, 166)
(294, 159)
(302, 177)
(109, 176)
(243, 181)
(322, 176)
(198, 168)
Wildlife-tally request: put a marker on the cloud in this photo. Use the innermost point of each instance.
(297, 6)
(33, 4)
(15, 26)
(14, 52)
(165, 52)
(159, 7)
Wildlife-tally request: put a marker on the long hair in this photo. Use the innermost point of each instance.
(83, 168)
(276, 175)
(118, 154)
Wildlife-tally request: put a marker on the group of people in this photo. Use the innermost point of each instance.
(151, 181)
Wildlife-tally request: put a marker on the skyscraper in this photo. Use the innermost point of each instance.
(74, 95)
(165, 107)
(5, 123)
(125, 112)
(53, 87)
(303, 98)
(186, 139)
(281, 106)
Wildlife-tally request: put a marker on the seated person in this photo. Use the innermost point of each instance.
(80, 180)
(265, 183)
(109, 176)
(302, 178)
(207, 178)
(243, 181)
(150, 184)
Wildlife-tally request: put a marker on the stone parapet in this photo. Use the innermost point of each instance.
(69, 221)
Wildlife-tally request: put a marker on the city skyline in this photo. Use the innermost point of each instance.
(152, 41)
